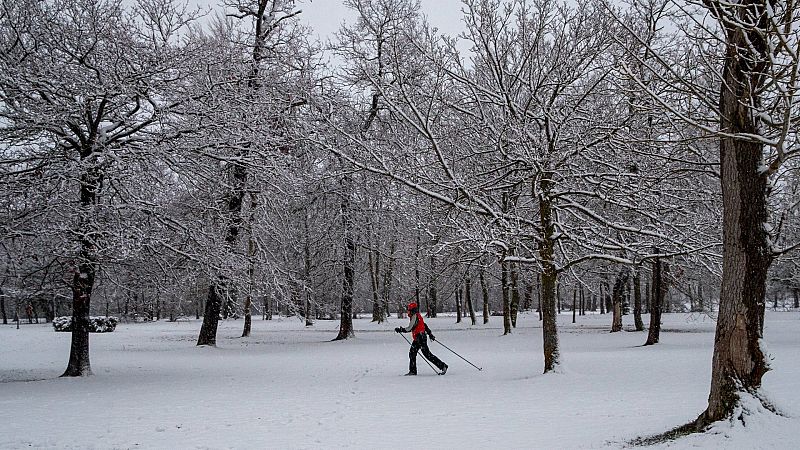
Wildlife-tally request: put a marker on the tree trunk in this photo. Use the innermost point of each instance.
(795, 291)
(527, 304)
(506, 294)
(5, 317)
(514, 293)
(602, 299)
(84, 277)
(373, 259)
(346, 319)
(433, 302)
(458, 294)
(617, 299)
(549, 277)
(485, 292)
(468, 297)
(637, 300)
(657, 298)
(574, 303)
(387, 280)
(739, 363)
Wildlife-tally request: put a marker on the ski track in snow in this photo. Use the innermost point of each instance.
(288, 387)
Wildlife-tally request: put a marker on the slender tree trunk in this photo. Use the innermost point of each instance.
(795, 291)
(373, 259)
(485, 292)
(468, 296)
(527, 304)
(657, 300)
(514, 293)
(458, 294)
(574, 303)
(602, 299)
(637, 300)
(433, 302)
(251, 264)
(5, 317)
(387, 280)
(506, 294)
(346, 320)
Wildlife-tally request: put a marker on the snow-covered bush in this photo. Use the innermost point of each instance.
(96, 324)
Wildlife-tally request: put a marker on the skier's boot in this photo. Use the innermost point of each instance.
(410, 374)
(444, 370)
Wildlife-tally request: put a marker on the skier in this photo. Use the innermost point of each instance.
(419, 331)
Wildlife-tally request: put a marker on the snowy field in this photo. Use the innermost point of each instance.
(287, 387)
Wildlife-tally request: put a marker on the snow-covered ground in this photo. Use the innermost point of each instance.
(289, 387)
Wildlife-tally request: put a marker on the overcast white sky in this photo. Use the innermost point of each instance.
(325, 16)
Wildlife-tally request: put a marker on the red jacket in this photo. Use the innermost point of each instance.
(417, 326)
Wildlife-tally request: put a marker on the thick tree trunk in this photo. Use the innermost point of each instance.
(549, 277)
(208, 330)
(739, 362)
(657, 299)
(617, 299)
(637, 300)
(346, 314)
(485, 292)
(84, 277)
(468, 297)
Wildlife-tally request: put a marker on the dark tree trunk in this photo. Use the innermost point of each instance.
(647, 297)
(506, 294)
(574, 303)
(373, 257)
(387, 280)
(485, 292)
(433, 302)
(458, 294)
(549, 276)
(468, 297)
(514, 293)
(617, 299)
(527, 304)
(208, 330)
(84, 277)
(739, 363)
(657, 300)
(346, 314)
(637, 300)
(5, 317)
(251, 264)
(795, 291)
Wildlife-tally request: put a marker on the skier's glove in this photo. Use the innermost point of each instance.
(433, 338)
(398, 330)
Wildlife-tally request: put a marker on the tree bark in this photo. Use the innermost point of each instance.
(602, 299)
(346, 318)
(485, 292)
(637, 300)
(458, 294)
(549, 276)
(468, 297)
(514, 293)
(574, 303)
(739, 362)
(373, 259)
(657, 299)
(86, 268)
(5, 317)
(506, 294)
(617, 299)
(433, 302)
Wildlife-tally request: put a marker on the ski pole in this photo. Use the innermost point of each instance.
(423, 356)
(465, 359)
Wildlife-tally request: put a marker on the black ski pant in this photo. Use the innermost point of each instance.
(421, 343)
